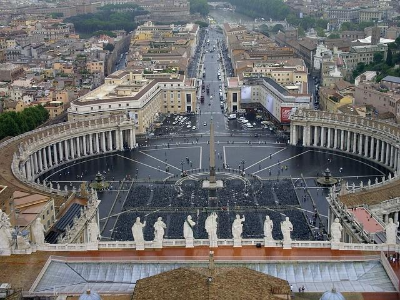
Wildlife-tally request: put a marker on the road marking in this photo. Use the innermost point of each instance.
(144, 164)
(159, 160)
(281, 161)
(267, 157)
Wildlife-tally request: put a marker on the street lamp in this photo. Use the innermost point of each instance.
(182, 165)
(242, 162)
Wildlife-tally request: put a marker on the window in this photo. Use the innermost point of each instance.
(127, 104)
(91, 108)
(188, 98)
(234, 97)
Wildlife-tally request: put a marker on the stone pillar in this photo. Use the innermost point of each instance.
(396, 159)
(110, 143)
(103, 142)
(71, 141)
(66, 148)
(387, 152)
(29, 169)
(385, 218)
(121, 140)
(78, 146)
(322, 136)
(348, 146)
(45, 158)
(391, 156)
(396, 217)
(61, 150)
(55, 154)
(342, 139)
(50, 157)
(335, 138)
(382, 160)
(84, 142)
(23, 170)
(329, 142)
(35, 163)
(366, 146)
(40, 160)
(96, 136)
(316, 136)
(91, 143)
(377, 150)
(131, 139)
(306, 136)
(354, 142)
(360, 144)
(372, 148)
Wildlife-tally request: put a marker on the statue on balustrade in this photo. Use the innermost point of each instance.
(159, 231)
(137, 231)
(38, 231)
(286, 228)
(93, 231)
(268, 226)
(5, 234)
(188, 228)
(336, 231)
(391, 232)
(237, 227)
(211, 226)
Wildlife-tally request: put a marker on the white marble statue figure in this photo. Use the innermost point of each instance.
(159, 231)
(137, 231)
(93, 231)
(286, 228)
(188, 228)
(237, 227)
(391, 232)
(37, 230)
(268, 226)
(211, 226)
(336, 231)
(5, 234)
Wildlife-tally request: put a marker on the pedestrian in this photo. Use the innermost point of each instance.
(303, 288)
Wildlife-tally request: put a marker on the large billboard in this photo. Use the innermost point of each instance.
(245, 95)
(285, 114)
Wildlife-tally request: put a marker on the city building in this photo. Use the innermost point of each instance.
(146, 99)
(9, 72)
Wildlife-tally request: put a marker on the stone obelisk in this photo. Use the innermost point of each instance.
(212, 184)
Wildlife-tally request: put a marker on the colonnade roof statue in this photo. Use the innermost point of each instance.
(391, 232)
(336, 231)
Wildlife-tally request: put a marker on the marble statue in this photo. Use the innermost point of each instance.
(268, 226)
(137, 232)
(93, 231)
(188, 228)
(37, 230)
(287, 228)
(188, 232)
(159, 231)
(211, 226)
(336, 231)
(5, 234)
(391, 232)
(237, 227)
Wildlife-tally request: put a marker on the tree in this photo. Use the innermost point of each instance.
(301, 32)
(389, 58)
(199, 6)
(277, 28)
(320, 32)
(334, 35)
(378, 57)
(263, 28)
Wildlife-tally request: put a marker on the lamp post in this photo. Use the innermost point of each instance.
(242, 162)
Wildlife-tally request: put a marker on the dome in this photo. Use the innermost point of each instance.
(332, 295)
(89, 295)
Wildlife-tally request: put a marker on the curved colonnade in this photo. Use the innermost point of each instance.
(49, 147)
(374, 140)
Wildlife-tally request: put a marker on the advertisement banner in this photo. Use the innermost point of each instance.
(285, 114)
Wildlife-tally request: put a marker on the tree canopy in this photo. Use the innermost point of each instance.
(199, 6)
(109, 17)
(15, 123)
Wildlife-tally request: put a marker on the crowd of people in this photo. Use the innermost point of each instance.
(254, 201)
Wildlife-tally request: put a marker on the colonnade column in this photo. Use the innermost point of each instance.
(66, 148)
(360, 144)
(40, 160)
(372, 148)
(84, 139)
(366, 146)
(61, 150)
(50, 158)
(121, 140)
(110, 143)
(391, 156)
(29, 168)
(329, 141)
(315, 136)
(382, 152)
(55, 153)
(396, 217)
(342, 139)
(348, 146)
(354, 142)
(377, 150)
(91, 143)
(71, 141)
(103, 142)
(35, 163)
(97, 138)
(132, 138)
(78, 146)
(45, 158)
(322, 136)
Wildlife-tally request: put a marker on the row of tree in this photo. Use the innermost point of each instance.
(15, 123)
(109, 17)
(199, 6)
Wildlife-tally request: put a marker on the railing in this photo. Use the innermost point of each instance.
(389, 271)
